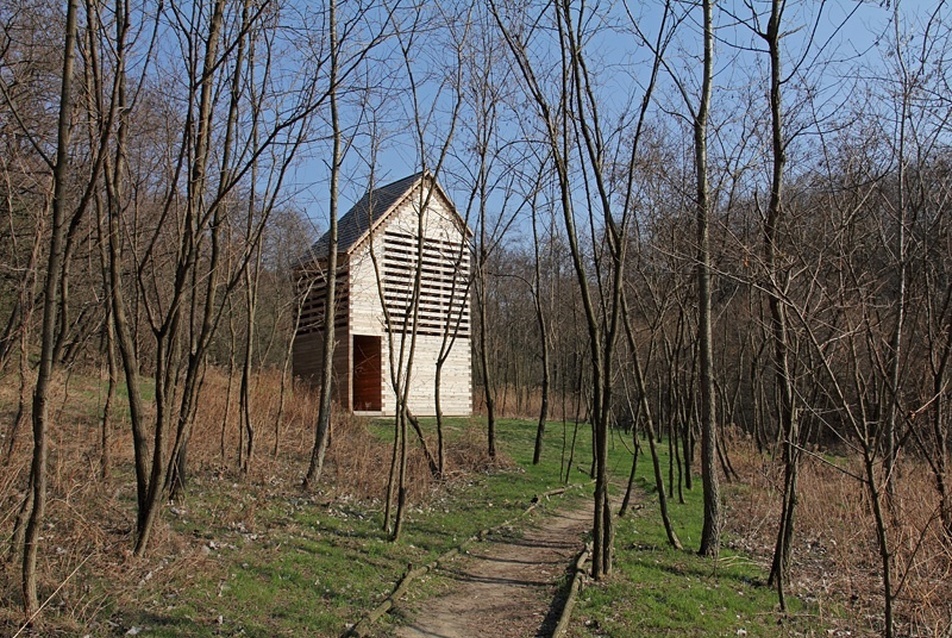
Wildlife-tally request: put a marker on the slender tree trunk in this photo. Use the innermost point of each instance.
(392, 479)
(778, 320)
(602, 320)
(285, 369)
(226, 413)
(244, 388)
(461, 285)
(710, 534)
(251, 272)
(323, 425)
(482, 298)
(123, 327)
(201, 329)
(645, 410)
(27, 294)
(38, 478)
(112, 366)
(108, 342)
(400, 512)
(894, 391)
(438, 406)
(882, 538)
(19, 526)
(23, 392)
(543, 344)
(404, 369)
(636, 453)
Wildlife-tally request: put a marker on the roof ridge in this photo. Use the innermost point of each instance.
(361, 217)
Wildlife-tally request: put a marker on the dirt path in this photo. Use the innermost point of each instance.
(506, 585)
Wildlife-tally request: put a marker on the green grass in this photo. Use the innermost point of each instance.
(282, 563)
(298, 565)
(656, 590)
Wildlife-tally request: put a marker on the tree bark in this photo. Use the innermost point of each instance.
(710, 533)
(38, 477)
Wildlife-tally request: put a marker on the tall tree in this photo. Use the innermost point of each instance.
(544, 339)
(574, 125)
(779, 330)
(710, 532)
(54, 264)
(323, 422)
(180, 283)
(698, 109)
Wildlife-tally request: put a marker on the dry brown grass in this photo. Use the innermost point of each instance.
(514, 402)
(88, 534)
(835, 557)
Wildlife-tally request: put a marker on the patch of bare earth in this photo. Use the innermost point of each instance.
(508, 585)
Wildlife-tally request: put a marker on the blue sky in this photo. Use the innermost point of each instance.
(843, 51)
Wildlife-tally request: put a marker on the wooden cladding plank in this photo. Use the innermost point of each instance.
(312, 311)
(442, 300)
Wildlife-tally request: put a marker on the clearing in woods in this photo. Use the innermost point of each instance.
(506, 586)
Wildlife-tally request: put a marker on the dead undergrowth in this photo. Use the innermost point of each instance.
(836, 560)
(88, 533)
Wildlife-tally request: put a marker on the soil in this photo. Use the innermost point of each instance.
(507, 586)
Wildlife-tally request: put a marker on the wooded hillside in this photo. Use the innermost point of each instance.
(690, 221)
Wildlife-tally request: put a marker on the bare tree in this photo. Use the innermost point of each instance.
(490, 176)
(38, 475)
(644, 409)
(710, 533)
(607, 213)
(777, 272)
(403, 331)
(322, 427)
(544, 339)
(778, 319)
(183, 306)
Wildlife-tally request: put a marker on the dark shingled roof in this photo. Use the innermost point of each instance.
(364, 214)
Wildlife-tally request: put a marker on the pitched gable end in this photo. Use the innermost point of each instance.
(364, 215)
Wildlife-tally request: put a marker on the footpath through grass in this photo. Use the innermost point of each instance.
(276, 562)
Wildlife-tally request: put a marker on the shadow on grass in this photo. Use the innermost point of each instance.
(646, 557)
(154, 624)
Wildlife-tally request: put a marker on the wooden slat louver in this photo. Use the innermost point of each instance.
(443, 298)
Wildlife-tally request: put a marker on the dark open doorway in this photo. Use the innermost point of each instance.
(367, 374)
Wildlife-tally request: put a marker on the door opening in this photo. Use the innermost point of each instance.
(367, 374)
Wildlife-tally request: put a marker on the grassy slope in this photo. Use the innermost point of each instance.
(656, 590)
(285, 564)
(263, 559)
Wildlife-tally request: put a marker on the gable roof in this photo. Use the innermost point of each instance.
(364, 215)
(371, 209)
